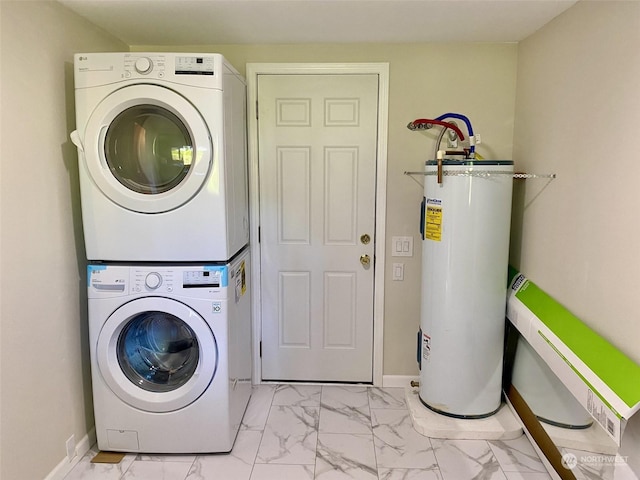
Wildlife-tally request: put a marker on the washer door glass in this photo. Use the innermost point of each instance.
(148, 149)
(158, 352)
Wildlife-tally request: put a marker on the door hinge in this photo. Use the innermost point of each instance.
(256, 109)
(259, 234)
(260, 348)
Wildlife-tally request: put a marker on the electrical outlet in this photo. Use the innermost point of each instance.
(71, 447)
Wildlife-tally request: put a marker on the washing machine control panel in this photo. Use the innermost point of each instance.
(150, 280)
(153, 280)
(191, 281)
(202, 278)
(167, 280)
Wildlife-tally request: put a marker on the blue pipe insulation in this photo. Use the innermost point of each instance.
(467, 122)
(458, 117)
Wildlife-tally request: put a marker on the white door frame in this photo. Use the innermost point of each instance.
(380, 69)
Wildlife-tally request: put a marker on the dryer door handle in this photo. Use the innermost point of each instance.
(102, 134)
(77, 141)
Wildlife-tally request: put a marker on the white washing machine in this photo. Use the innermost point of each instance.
(161, 143)
(170, 355)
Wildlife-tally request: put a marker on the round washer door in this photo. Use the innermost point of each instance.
(157, 354)
(147, 148)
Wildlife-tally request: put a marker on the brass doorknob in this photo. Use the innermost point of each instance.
(365, 260)
(365, 239)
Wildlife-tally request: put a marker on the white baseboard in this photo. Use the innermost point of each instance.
(398, 380)
(65, 466)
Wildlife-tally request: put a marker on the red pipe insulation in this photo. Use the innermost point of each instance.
(441, 123)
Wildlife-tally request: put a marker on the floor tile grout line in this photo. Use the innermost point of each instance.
(127, 469)
(264, 427)
(315, 458)
(497, 459)
(373, 437)
(435, 457)
(511, 451)
(192, 464)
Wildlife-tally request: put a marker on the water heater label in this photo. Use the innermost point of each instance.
(426, 347)
(433, 220)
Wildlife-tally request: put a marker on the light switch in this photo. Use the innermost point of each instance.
(402, 246)
(398, 272)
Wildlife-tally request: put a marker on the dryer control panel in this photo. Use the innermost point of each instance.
(143, 65)
(192, 69)
(204, 65)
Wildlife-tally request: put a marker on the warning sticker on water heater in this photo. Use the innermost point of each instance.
(426, 347)
(433, 220)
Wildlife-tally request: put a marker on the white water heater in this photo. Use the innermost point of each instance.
(465, 252)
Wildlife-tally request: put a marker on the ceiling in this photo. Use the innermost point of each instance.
(210, 22)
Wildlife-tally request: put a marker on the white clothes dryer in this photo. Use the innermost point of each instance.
(162, 153)
(170, 355)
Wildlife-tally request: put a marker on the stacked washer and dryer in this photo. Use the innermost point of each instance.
(163, 181)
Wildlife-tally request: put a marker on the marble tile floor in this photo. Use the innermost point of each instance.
(306, 432)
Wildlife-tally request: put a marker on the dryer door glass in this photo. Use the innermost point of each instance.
(157, 351)
(148, 149)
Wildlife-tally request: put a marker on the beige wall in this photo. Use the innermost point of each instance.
(425, 80)
(578, 115)
(44, 352)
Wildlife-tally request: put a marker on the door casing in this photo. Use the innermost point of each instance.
(382, 70)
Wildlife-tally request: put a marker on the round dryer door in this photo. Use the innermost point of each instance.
(157, 354)
(147, 148)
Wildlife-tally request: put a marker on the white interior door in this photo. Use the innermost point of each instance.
(317, 161)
